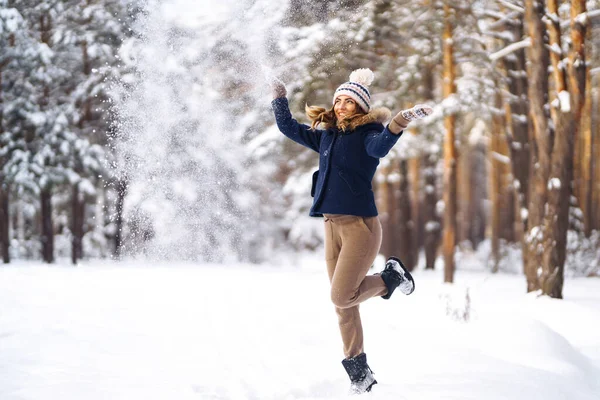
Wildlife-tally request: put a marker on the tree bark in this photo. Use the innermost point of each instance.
(390, 223)
(414, 171)
(517, 119)
(45, 29)
(432, 222)
(584, 182)
(4, 191)
(517, 128)
(537, 73)
(47, 234)
(595, 167)
(19, 223)
(121, 193)
(580, 88)
(86, 113)
(77, 222)
(449, 89)
(405, 223)
(5, 222)
(578, 69)
(464, 204)
(496, 186)
(473, 179)
(556, 219)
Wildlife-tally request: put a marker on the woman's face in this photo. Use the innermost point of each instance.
(344, 107)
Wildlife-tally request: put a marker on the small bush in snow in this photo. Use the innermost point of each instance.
(456, 302)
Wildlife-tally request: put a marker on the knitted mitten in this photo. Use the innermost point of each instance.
(403, 118)
(278, 88)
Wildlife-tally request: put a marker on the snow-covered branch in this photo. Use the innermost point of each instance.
(583, 18)
(511, 6)
(510, 49)
(500, 158)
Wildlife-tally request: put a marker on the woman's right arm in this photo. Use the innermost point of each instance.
(299, 133)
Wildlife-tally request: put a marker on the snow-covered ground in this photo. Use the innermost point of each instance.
(129, 331)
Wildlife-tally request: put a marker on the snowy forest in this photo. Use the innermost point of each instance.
(144, 129)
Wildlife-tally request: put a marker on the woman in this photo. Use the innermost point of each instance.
(350, 144)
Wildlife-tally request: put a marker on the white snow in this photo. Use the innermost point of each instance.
(555, 48)
(510, 49)
(432, 226)
(524, 213)
(582, 19)
(565, 101)
(214, 332)
(554, 183)
(500, 158)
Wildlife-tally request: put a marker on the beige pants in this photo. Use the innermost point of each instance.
(351, 245)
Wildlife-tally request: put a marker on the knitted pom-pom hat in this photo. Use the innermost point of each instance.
(357, 88)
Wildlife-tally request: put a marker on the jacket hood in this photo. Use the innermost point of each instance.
(377, 115)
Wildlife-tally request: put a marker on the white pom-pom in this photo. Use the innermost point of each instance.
(364, 76)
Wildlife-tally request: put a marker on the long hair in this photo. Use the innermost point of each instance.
(322, 116)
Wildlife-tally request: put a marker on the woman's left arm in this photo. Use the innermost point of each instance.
(378, 144)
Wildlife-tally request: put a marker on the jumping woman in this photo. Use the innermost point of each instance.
(350, 138)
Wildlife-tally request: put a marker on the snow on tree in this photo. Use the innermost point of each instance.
(52, 114)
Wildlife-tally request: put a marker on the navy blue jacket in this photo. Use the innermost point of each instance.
(347, 161)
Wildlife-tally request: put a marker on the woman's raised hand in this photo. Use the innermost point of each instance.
(417, 112)
(403, 118)
(278, 88)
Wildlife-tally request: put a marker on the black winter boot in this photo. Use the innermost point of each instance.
(361, 376)
(395, 275)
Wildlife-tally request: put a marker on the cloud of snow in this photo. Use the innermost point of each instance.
(185, 112)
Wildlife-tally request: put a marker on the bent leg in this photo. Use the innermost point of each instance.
(351, 245)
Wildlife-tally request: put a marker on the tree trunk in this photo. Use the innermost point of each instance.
(479, 186)
(578, 69)
(390, 222)
(472, 178)
(46, 29)
(432, 223)
(405, 223)
(584, 181)
(496, 169)
(77, 222)
(449, 89)
(19, 222)
(428, 223)
(537, 73)
(414, 171)
(121, 193)
(5, 222)
(517, 120)
(464, 204)
(4, 191)
(556, 220)
(47, 236)
(595, 167)
(580, 88)
(516, 129)
(86, 113)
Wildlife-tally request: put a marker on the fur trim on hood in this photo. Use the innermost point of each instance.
(378, 115)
